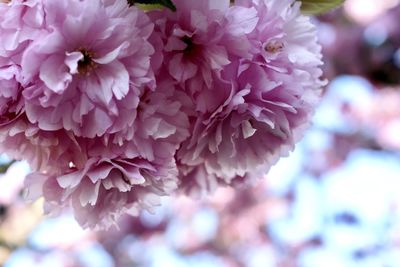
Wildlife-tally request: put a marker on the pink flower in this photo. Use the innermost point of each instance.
(199, 41)
(260, 115)
(84, 72)
(106, 188)
(112, 114)
(23, 140)
(104, 180)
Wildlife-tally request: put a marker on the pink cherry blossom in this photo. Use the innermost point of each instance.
(107, 187)
(102, 180)
(200, 41)
(260, 115)
(86, 68)
(21, 139)
(114, 107)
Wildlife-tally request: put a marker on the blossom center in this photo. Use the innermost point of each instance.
(274, 47)
(86, 64)
(189, 44)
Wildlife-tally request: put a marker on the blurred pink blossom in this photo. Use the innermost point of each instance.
(382, 121)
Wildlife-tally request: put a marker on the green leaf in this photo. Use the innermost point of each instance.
(4, 167)
(152, 4)
(148, 7)
(316, 7)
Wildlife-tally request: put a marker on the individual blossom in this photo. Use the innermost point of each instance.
(111, 179)
(85, 70)
(21, 139)
(264, 109)
(109, 185)
(200, 41)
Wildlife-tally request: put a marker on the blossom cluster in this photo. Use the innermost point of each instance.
(114, 107)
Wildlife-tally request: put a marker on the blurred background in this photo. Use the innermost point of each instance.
(335, 202)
